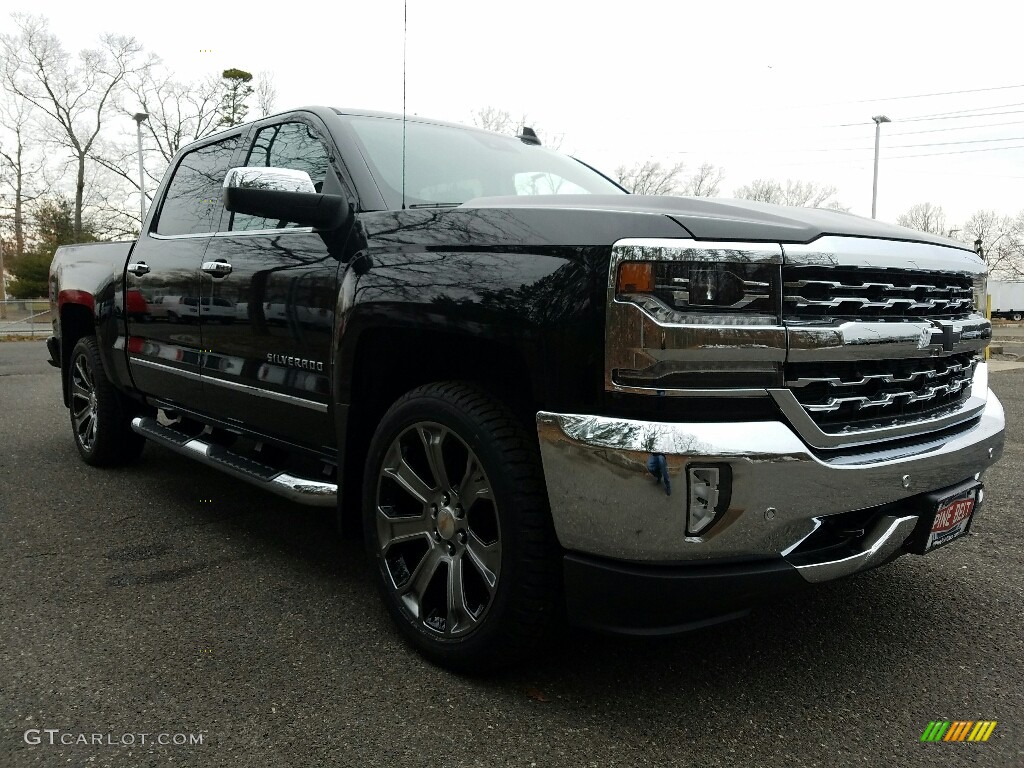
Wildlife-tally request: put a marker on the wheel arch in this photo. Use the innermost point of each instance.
(385, 363)
(76, 321)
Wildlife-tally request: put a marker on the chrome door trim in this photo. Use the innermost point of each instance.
(267, 393)
(132, 359)
(246, 232)
(255, 391)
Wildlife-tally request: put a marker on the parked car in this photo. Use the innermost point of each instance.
(175, 309)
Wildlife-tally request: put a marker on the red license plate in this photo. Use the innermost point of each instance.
(952, 520)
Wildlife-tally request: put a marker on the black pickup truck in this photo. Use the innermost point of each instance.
(541, 397)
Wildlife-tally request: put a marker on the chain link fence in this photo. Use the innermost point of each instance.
(25, 317)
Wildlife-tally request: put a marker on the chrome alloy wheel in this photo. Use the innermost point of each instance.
(84, 405)
(438, 529)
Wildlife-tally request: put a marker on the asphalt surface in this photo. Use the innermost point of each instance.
(169, 599)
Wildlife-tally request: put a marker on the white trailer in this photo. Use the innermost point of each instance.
(1007, 299)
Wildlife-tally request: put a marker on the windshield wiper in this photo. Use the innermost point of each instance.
(434, 205)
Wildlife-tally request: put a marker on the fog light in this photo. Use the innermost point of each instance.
(710, 488)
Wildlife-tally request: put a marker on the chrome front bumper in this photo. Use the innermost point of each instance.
(605, 502)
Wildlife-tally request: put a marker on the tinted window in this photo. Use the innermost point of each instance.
(193, 202)
(287, 145)
(450, 164)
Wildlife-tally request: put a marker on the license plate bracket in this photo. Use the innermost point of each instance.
(946, 516)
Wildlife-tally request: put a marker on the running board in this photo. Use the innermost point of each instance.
(314, 493)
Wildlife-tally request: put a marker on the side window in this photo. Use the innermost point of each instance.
(193, 201)
(286, 145)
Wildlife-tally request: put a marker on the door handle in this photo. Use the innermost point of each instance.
(217, 268)
(139, 268)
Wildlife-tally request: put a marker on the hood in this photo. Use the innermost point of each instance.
(724, 219)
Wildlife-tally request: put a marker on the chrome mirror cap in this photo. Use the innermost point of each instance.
(276, 179)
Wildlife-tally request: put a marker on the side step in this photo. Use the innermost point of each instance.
(314, 493)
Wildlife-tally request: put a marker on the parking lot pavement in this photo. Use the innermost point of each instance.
(169, 599)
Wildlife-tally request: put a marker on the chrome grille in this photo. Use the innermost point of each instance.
(879, 293)
(864, 393)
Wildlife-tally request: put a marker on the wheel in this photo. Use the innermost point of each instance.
(172, 317)
(100, 415)
(457, 522)
(1016, 316)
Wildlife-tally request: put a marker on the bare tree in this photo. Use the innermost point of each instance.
(179, 113)
(266, 93)
(21, 166)
(650, 178)
(706, 182)
(1002, 242)
(75, 95)
(924, 217)
(501, 121)
(493, 119)
(805, 194)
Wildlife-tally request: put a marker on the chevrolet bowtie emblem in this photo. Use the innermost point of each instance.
(950, 334)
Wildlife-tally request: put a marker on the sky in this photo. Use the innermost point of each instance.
(765, 90)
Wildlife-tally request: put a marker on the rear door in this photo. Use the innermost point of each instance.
(268, 324)
(165, 341)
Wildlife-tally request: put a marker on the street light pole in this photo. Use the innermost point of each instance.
(138, 118)
(879, 119)
(3, 284)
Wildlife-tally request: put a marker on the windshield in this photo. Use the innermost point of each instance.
(450, 165)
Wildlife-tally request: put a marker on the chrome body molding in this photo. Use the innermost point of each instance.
(213, 380)
(605, 502)
(646, 337)
(840, 251)
(884, 540)
(859, 340)
(661, 249)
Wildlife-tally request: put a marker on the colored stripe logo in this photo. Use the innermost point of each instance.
(958, 730)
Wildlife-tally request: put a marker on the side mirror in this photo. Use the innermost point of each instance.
(283, 194)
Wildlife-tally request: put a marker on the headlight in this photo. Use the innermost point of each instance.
(694, 288)
(686, 316)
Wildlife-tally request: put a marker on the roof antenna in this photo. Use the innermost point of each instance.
(405, 34)
(528, 136)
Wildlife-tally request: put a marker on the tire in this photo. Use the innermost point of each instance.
(1016, 317)
(100, 415)
(429, 547)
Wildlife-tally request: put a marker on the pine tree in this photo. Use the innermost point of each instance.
(237, 90)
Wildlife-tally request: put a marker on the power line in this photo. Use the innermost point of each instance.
(955, 128)
(798, 150)
(959, 114)
(940, 115)
(950, 143)
(928, 95)
(955, 152)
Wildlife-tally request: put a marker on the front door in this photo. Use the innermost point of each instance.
(267, 306)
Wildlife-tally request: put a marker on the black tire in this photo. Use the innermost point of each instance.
(100, 415)
(504, 531)
(1016, 317)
